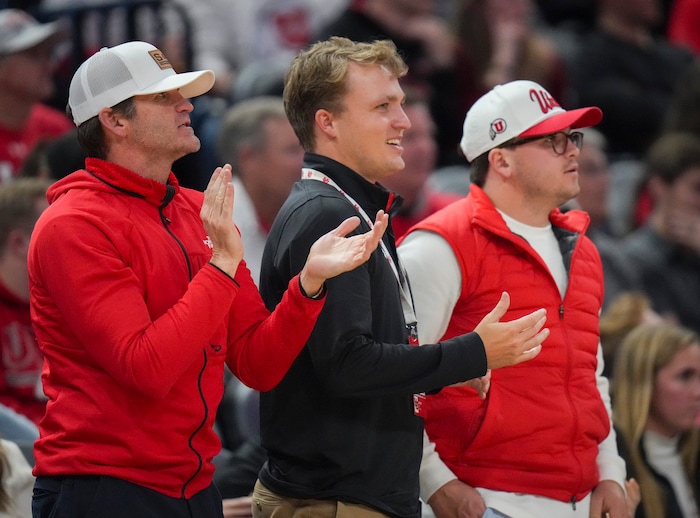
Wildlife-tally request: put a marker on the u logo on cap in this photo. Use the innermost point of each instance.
(497, 127)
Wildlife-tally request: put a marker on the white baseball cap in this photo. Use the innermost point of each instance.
(20, 31)
(115, 74)
(518, 109)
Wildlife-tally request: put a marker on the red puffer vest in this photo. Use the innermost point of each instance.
(538, 430)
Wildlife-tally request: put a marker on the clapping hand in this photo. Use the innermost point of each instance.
(333, 253)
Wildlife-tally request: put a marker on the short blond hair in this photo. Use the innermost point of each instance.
(316, 79)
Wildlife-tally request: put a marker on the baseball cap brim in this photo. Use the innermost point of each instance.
(34, 35)
(189, 84)
(578, 118)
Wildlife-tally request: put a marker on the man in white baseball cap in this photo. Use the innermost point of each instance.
(518, 109)
(20, 31)
(27, 56)
(540, 443)
(115, 74)
(140, 297)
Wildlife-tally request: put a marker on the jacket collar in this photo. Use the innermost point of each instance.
(574, 220)
(371, 196)
(131, 183)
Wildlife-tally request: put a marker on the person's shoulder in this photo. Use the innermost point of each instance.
(320, 198)
(50, 118)
(311, 210)
(643, 247)
(644, 237)
(449, 204)
(682, 55)
(45, 122)
(443, 198)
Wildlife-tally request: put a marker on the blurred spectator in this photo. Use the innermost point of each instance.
(683, 24)
(20, 430)
(626, 311)
(594, 181)
(54, 158)
(235, 478)
(580, 15)
(105, 23)
(683, 112)
(425, 42)
(415, 26)
(575, 15)
(242, 455)
(230, 36)
(594, 198)
(499, 42)
(665, 251)
(21, 4)
(623, 67)
(258, 141)
(21, 203)
(17, 482)
(631, 201)
(420, 157)
(26, 65)
(656, 402)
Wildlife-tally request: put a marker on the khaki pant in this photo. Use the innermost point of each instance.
(267, 504)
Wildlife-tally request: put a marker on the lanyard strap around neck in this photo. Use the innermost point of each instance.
(401, 279)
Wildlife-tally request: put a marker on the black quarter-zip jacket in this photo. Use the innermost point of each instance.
(341, 424)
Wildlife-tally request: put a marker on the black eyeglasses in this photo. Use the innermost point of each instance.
(559, 141)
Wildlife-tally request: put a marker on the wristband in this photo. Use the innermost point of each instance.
(316, 295)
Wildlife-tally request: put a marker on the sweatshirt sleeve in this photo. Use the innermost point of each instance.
(433, 472)
(610, 465)
(263, 345)
(435, 283)
(98, 304)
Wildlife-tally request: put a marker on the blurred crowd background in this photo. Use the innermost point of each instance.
(639, 170)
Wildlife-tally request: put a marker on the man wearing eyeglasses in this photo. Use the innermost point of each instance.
(540, 442)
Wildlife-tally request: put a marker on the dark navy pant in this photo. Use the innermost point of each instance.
(109, 497)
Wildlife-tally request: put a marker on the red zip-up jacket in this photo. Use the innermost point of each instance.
(135, 327)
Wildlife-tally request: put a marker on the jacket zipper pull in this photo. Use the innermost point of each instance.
(573, 501)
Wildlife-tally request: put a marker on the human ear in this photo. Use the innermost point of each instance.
(325, 122)
(112, 121)
(499, 162)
